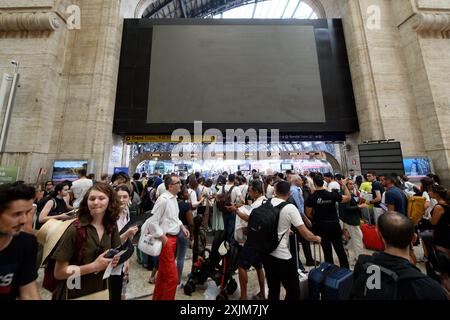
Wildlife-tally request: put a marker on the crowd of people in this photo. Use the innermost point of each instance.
(77, 223)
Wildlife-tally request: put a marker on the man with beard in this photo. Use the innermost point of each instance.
(18, 250)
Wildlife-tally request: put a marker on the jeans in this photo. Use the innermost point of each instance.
(293, 248)
(284, 271)
(306, 248)
(182, 245)
(331, 234)
(229, 221)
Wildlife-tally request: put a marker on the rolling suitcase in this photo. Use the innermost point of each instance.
(371, 239)
(329, 282)
(302, 278)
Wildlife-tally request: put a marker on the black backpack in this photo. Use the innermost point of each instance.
(262, 229)
(146, 201)
(389, 283)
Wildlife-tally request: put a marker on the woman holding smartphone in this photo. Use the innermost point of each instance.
(95, 231)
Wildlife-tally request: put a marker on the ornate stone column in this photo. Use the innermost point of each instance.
(424, 26)
(435, 25)
(29, 21)
(34, 34)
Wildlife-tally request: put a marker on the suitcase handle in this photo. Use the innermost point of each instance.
(316, 245)
(296, 254)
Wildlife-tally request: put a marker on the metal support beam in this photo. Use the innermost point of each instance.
(296, 8)
(254, 9)
(150, 12)
(270, 8)
(183, 8)
(285, 7)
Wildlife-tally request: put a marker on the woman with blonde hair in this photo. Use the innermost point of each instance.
(351, 215)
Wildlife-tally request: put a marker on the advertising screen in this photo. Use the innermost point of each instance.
(417, 167)
(67, 169)
(244, 167)
(121, 170)
(286, 166)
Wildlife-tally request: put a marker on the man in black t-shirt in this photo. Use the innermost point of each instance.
(321, 208)
(18, 250)
(377, 193)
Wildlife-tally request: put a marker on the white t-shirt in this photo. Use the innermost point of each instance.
(242, 224)
(430, 208)
(79, 189)
(193, 200)
(258, 202)
(207, 193)
(333, 185)
(121, 222)
(160, 190)
(244, 189)
(288, 215)
(270, 191)
(235, 194)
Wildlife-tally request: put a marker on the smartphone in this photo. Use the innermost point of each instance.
(72, 213)
(111, 253)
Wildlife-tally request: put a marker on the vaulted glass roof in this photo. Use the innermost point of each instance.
(269, 9)
(230, 9)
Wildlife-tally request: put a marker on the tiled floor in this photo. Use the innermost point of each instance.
(140, 289)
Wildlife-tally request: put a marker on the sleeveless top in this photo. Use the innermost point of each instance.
(442, 229)
(61, 207)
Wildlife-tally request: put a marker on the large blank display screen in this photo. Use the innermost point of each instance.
(291, 75)
(234, 73)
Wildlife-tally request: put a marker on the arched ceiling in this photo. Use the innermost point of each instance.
(210, 8)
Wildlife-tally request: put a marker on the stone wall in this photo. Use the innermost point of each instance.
(41, 51)
(424, 27)
(91, 70)
(400, 76)
(64, 107)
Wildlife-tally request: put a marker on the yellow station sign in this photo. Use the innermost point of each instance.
(165, 138)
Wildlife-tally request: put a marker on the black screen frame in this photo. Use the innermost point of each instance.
(130, 117)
